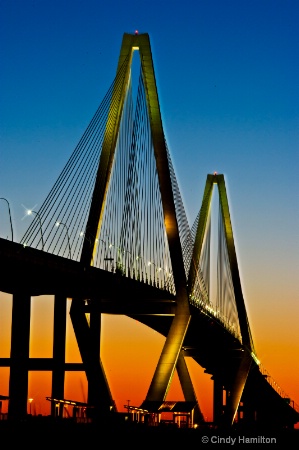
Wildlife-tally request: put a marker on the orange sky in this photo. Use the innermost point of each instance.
(130, 352)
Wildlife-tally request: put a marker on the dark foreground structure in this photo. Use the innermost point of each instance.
(38, 432)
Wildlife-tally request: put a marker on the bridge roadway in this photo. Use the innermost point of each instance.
(35, 272)
(208, 342)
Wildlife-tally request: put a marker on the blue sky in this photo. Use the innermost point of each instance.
(227, 76)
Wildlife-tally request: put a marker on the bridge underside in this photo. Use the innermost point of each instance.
(221, 355)
(206, 340)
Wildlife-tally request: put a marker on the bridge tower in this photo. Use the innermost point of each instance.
(85, 332)
(236, 388)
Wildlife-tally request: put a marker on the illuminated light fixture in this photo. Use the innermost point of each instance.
(29, 213)
(67, 233)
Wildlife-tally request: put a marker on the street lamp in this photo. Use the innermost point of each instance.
(129, 262)
(150, 271)
(104, 254)
(29, 213)
(157, 271)
(67, 233)
(92, 244)
(2, 198)
(142, 266)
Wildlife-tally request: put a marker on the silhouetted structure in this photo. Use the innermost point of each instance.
(125, 231)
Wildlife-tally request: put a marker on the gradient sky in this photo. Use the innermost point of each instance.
(227, 75)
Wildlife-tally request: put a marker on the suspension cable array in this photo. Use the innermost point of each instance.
(70, 197)
(106, 210)
(131, 240)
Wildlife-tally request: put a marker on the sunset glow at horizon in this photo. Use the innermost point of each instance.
(227, 79)
(129, 358)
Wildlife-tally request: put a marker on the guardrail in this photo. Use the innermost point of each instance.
(277, 388)
(210, 310)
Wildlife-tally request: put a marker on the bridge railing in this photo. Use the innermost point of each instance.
(277, 388)
(210, 310)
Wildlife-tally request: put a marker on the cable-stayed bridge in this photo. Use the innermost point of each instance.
(113, 236)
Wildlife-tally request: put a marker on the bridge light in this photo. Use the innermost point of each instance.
(29, 212)
(67, 233)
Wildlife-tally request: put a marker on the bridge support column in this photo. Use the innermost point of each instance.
(95, 335)
(88, 339)
(167, 363)
(249, 413)
(249, 408)
(217, 402)
(187, 387)
(19, 356)
(59, 342)
(237, 388)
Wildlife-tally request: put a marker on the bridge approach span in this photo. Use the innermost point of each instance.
(208, 342)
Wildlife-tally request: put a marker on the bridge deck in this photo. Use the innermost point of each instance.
(36, 272)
